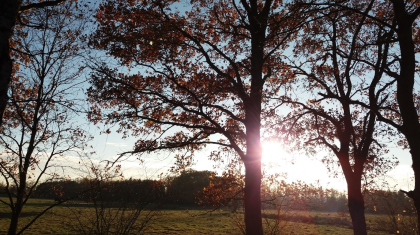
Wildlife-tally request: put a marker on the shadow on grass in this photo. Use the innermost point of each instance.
(6, 215)
(319, 220)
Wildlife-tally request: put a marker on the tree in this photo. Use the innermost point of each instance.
(402, 68)
(118, 205)
(10, 13)
(38, 126)
(226, 190)
(407, 32)
(184, 189)
(193, 78)
(276, 195)
(339, 89)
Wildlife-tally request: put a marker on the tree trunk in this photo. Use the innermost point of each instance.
(13, 223)
(252, 105)
(18, 205)
(356, 206)
(405, 98)
(415, 155)
(8, 13)
(252, 194)
(355, 198)
(252, 161)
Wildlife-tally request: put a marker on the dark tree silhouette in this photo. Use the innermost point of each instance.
(197, 77)
(399, 17)
(339, 89)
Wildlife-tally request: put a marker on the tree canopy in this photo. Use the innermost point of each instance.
(209, 71)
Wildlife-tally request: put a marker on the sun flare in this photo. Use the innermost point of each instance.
(272, 152)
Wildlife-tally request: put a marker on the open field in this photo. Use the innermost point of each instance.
(61, 220)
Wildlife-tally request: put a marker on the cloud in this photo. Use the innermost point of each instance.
(117, 144)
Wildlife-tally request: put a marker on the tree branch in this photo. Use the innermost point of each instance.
(40, 5)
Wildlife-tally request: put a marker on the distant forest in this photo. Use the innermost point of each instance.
(194, 189)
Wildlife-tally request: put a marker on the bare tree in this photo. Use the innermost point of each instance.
(39, 121)
(117, 205)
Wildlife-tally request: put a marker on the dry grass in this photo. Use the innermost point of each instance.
(188, 222)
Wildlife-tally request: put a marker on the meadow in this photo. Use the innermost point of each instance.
(67, 219)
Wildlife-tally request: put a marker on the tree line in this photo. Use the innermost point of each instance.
(189, 189)
(180, 190)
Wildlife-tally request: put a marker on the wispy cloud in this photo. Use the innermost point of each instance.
(117, 144)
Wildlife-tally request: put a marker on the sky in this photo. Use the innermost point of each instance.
(297, 167)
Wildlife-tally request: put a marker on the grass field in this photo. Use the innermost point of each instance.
(61, 220)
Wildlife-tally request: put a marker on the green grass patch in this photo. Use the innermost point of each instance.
(61, 220)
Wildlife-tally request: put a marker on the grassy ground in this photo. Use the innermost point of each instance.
(181, 221)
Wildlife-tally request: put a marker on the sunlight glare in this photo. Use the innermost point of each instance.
(272, 152)
(298, 167)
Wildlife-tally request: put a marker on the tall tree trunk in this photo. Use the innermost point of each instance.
(415, 155)
(16, 211)
(405, 85)
(13, 223)
(253, 219)
(252, 105)
(353, 176)
(252, 161)
(8, 14)
(356, 206)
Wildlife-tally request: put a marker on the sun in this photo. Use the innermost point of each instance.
(272, 152)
